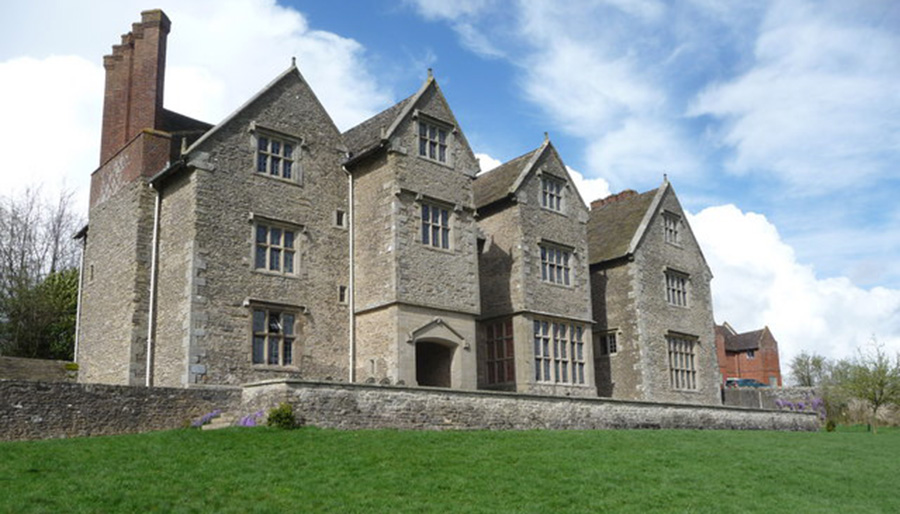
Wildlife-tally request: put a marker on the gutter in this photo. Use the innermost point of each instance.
(151, 311)
(351, 289)
(82, 234)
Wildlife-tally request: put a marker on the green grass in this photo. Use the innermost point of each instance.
(312, 470)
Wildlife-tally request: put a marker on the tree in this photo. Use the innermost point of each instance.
(873, 378)
(808, 370)
(38, 275)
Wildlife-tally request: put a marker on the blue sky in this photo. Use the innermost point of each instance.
(778, 123)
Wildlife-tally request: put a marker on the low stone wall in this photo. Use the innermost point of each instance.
(42, 410)
(15, 368)
(357, 406)
(767, 397)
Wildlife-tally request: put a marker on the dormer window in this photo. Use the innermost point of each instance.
(432, 141)
(551, 193)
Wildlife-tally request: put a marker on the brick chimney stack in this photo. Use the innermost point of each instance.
(135, 75)
(624, 195)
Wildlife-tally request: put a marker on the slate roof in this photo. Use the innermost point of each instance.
(612, 227)
(496, 184)
(367, 135)
(744, 342)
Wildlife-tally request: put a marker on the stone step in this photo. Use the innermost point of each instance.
(221, 421)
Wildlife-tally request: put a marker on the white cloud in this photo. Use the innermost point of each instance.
(590, 189)
(759, 282)
(487, 162)
(819, 106)
(460, 14)
(50, 135)
(219, 54)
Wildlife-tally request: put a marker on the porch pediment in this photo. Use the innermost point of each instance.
(437, 330)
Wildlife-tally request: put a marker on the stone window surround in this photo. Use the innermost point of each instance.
(672, 228)
(559, 354)
(545, 178)
(341, 219)
(268, 221)
(452, 212)
(609, 343)
(421, 118)
(258, 130)
(682, 351)
(567, 263)
(677, 284)
(500, 353)
(266, 306)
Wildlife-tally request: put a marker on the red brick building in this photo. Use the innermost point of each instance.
(748, 355)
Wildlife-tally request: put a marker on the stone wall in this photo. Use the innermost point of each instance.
(14, 368)
(44, 410)
(358, 406)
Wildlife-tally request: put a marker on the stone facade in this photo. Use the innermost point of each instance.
(273, 246)
(652, 294)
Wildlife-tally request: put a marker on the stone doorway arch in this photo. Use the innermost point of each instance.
(433, 363)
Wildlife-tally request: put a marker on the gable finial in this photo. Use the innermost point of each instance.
(665, 178)
(430, 73)
(546, 137)
(293, 61)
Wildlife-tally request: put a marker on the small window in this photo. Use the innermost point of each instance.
(682, 362)
(751, 354)
(555, 265)
(551, 193)
(501, 367)
(340, 218)
(671, 226)
(609, 344)
(676, 288)
(273, 337)
(435, 226)
(275, 249)
(433, 142)
(342, 294)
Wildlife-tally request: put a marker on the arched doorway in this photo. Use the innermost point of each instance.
(433, 364)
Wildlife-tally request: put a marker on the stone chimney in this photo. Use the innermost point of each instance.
(135, 74)
(624, 195)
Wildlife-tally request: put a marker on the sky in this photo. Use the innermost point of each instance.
(777, 122)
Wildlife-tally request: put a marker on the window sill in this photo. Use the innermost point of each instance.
(435, 161)
(275, 367)
(558, 213)
(554, 284)
(448, 251)
(298, 183)
(291, 276)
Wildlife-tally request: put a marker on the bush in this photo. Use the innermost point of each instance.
(282, 417)
(830, 426)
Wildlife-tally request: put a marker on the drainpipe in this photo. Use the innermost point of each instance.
(151, 312)
(80, 293)
(351, 290)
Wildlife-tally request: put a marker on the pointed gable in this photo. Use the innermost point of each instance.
(498, 183)
(615, 223)
(292, 73)
(506, 179)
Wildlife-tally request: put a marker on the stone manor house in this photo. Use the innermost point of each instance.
(271, 245)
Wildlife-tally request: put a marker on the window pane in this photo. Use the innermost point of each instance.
(445, 239)
(260, 257)
(273, 349)
(288, 324)
(274, 322)
(287, 169)
(262, 144)
(423, 130)
(288, 351)
(442, 154)
(442, 136)
(425, 232)
(259, 321)
(275, 259)
(423, 145)
(288, 151)
(445, 215)
(288, 239)
(276, 147)
(426, 213)
(261, 162)
(261, 234)
(288, 262)
(275, 236)
(258, 350)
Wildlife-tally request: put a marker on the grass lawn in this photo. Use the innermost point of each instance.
(313, 470)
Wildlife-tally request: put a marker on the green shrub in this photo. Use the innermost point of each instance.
(830, 425)
(71, 366)
(282, 417)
